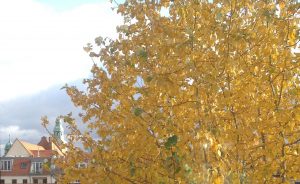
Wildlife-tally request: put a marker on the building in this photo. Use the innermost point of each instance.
(25, 163)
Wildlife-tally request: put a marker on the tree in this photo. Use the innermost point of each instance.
(192, 91)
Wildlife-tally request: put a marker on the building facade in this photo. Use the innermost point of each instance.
(27, 163)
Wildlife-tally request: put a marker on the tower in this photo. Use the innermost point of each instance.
(58, 130)
(7, 146)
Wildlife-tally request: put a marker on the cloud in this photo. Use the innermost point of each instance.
(41, 50)
(21, 117)
(16, 132)
(41, 47)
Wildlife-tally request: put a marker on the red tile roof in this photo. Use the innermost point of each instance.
(42, 153)
(21, 165)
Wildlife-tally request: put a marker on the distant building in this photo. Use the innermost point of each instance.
(26, 163)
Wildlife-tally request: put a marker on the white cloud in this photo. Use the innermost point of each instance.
(41, 47)
(25, 113)
(16, 132)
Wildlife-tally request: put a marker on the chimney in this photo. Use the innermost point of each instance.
(44, 143)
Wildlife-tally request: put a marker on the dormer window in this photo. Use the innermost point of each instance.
(36, 167)
(5, 165)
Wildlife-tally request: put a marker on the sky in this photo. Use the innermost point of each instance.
(41, 49)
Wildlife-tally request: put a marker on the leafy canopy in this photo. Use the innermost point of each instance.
(192, 91)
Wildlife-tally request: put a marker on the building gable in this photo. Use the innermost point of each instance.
(18, 150)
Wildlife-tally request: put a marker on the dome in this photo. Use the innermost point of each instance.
(8, 146)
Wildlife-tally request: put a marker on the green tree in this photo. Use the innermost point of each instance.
(192, 91)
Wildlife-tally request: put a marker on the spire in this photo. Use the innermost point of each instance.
(8, 145)
(58, 130)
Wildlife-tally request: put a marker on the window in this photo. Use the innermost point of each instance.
(45, 180)
(14, 181)
(24, 181)
(35, 180)
(23, 165)
(2, 182)
(5, 165)
(36, 167)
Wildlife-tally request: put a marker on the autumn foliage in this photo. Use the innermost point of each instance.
(192, 91)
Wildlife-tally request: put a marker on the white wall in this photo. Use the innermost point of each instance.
(8, 179)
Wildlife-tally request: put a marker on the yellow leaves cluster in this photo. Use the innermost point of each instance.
(206, 94)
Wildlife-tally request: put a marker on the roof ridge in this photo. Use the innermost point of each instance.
(28, 143)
